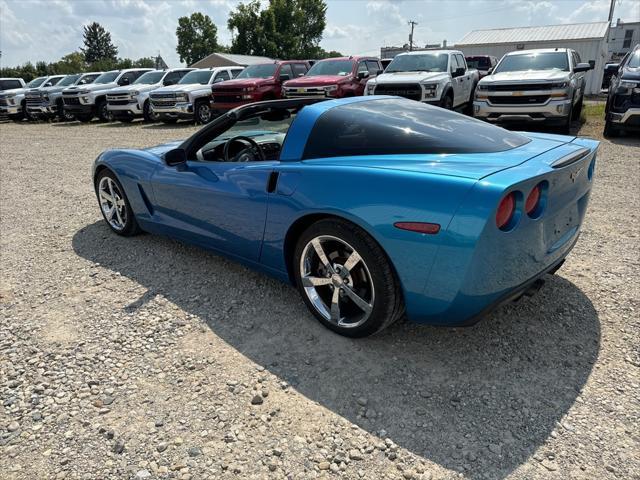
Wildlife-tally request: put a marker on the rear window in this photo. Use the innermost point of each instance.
(9, 84)
(401, 126)
(480, 63)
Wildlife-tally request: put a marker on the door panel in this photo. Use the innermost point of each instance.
(456, 82)
(216, 204)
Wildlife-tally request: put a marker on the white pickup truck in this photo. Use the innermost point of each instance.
(438, 77)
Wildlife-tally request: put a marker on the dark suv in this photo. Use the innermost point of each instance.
(622, 111)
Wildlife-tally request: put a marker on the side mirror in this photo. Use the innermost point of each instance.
(124, 81)
(218, 80)
(168, 82)
(459, 72)
(175, 157)
(612, 68)
(284, 77)
(379, 71)
(582, 67)
(301, 75)
(362, 75)
(490, 71)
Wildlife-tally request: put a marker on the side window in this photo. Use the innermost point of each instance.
(454, 63)
(285, 70)
(236, 72)
(373, 67)
(127, 79)
(362, 67)
(172, 78)
(221, 76)
(578, 57)
(299, 69)
(461, 62)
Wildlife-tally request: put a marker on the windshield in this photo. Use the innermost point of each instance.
(150, 78)
(107, 77)
(36, 82)
(341, 68)
(89, 78)
(267, 70)
(430, 62)
(68, 80)
(634, 59)
(534, 61)
(9, 84)
(480, 63)
(197, 76)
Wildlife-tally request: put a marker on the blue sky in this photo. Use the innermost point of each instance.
(47, 29)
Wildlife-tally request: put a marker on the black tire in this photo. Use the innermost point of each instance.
(610, 130)
(148, 114)
(577, 109)
(103, 111)
(130, 226)
(126, 119)
(26, 113)
(202, 112)
(84, 118)
(446, 101)
(387, 304)
(565, 128)
(61, 115)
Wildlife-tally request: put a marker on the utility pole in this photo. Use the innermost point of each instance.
(611, 9)
(413, 24)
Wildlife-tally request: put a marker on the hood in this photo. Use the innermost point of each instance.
(92, 87)
(245, 82)
(317, 80)
(630, 74)
(528, 75)
(14, 91)
(403, 77)
(474, 166)
(187, 87)
(141, 87)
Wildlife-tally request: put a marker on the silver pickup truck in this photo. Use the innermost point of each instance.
(88, 101)
(46, 102)
(131, 102)
(13, 103)
(540, 86)
(438, 77)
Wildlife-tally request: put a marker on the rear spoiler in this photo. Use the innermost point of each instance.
(571, 158)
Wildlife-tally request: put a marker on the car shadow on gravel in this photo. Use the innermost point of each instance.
(478, 400)
(170, 126)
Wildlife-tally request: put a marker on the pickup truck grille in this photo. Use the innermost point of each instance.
(71, 100)
(293, 92)
(163, 100)
(33, 99)
(519, 87)
(217, 98)
(119, 99)
(519, 100)
(4, 102)
(412, 91)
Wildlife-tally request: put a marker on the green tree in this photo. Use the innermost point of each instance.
(286, 29)
(73, 62)
(42, 68)
(97, 44)
(197, 37)
(145, 62)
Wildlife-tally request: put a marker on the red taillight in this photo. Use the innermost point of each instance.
(506, 209)
(531, 204)
(420, 227)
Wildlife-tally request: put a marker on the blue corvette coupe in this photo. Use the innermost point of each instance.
(372, 206)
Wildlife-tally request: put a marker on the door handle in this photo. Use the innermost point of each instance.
(272, 182)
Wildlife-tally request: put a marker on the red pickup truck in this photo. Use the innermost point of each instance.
(255, 83)
(334, 77)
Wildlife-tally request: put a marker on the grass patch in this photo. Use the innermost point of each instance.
(596, 110)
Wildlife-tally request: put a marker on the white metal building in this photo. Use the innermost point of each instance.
(588, 39)
(229, 60)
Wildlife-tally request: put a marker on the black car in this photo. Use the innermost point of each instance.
(622, 111)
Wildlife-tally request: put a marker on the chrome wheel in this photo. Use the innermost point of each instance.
(337, 281)
(112, 203)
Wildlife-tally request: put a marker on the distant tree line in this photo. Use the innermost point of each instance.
(284, 29)
(99, 54)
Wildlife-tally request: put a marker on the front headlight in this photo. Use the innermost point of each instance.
(560, 85)
(371, 87)
(182, 97)
(85, 99)
(430, 89)
(482, 87)
(331, 88)
(627, 84)
(135, 93)
(249, 89)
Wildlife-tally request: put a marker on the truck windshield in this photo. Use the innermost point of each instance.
(480, 63)
(430, 62)
(107, 77)
(340, 68)
(89, 78)
(150, 78)
(68, 80)
(267, 70)
(196, 76)
(36, 82)
(634, 59)
(534, 61)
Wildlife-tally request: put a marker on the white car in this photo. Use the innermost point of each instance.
(132, 101)
(534, 86)
(438, 77)
(189, 99)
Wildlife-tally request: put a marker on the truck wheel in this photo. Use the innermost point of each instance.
(609, 130)
(148, 114)
(566, 127)
(62, 115)
(577, 110)
(103, 111)
(84, 118)
(447, 101)
(202, 112)
(26, 113)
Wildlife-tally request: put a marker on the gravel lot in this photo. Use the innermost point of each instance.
(144, 358)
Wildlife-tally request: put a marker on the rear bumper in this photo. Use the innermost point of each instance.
(549, 112)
